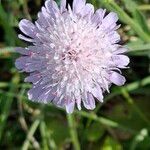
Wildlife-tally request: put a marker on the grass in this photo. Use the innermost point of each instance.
(121, 122)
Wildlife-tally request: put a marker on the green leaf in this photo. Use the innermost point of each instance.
(111, 144)
(130, 5)
(94, 132)
(137, 15)
(141, 20)
(145, 144)
(59, 131)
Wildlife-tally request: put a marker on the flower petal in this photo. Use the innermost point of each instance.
(63, 6)
(121, 60)
(23, 51)
(117, 79)
(22, 37)
(120, 50)
(89, 103)
(34, 93)
(21, 63)
(40, 94)
(24, 25)
(45, 96)
(97, 93)
(114, 37)
(98, 16)
(87, 11)
(34, 78)
(78, 5)
(110, 20)
(52, 7)
(70, 107)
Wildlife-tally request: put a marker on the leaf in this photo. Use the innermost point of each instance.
(59, 131)
(141, 20)
(94, 132)
(137, 15)
(145, 144)
(138, 48)
(130, 5)
(111, 144)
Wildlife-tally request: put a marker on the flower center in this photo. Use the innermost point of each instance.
(70, 54)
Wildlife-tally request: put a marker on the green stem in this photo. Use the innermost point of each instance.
(7, 50)
(23, 85)
(104, 121)
(144, 7)
(140, 47)
(47, 140)
(25, 8)
(73, 132)
(5, 104)
(134, 106)
(30, 134)
(43, 134)
(10, 34)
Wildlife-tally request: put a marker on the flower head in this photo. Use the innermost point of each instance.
(74, 57)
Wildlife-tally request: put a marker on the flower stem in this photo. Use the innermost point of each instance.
(105, 121)
(31, 132)
(130, 101)
(73, 132)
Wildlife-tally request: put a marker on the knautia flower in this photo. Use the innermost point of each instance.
(74, 57)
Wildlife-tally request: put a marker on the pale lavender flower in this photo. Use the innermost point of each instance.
(74, 57)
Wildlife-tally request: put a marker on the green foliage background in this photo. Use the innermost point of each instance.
(121, 122)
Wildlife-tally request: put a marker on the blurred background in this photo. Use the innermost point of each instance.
(121, 122)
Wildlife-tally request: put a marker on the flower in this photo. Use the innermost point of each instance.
(74, 57)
